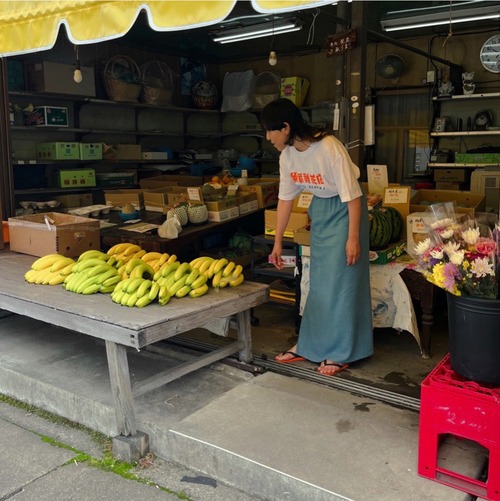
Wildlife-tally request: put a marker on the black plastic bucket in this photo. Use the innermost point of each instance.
(474, 332)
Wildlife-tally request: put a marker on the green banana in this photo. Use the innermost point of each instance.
(199, 291)
(143, 301)
(132, 300)
(117, 296)
(183, 291)
(143, 270)
(92, 254)
(178, 284)
(87, 263)
(134, 284)
(169, 268)
(84, 284)
(144, 288)
(91, 289)
(112, 281)
(99, 279)
(106, 290)
(132, 264)
(164, 296)
(100, 268)
(182, 270)
(195, 273)
(153, 292)
(124, 299)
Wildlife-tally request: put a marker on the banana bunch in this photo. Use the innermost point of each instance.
(50, 269)
(157, 259)
(125, 251)
(138, 291)
(94, 271)
(224, 272)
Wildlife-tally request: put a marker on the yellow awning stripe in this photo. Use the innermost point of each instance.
(32, 26)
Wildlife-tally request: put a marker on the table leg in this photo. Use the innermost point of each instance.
(244, 329)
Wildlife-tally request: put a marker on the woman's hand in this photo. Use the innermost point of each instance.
(275, 256)
(352, 250)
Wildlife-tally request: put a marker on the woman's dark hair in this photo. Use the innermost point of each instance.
(277, 112)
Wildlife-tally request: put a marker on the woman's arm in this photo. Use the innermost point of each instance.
(283, 215)
(352, 248)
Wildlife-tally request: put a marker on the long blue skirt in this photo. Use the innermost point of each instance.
(337, 318)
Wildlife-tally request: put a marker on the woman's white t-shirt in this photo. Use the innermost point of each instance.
(325, 169)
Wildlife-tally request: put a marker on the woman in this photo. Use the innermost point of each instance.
(336, 327)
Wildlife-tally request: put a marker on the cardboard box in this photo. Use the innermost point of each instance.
(47, 76)
(390, 253)
(90, 151)
(221, 204)
(247, 202)
(74, 178)
(466, 202)
(156, 200)
(118, 179)
(121, 152)
(295, 89)
(225, 215)
(118, 198)
(57, 151)
(47, 116)
(266, 190)
(75, 200)
(155, 155)
(302, 236)
(297, 220)
(178, 194)
(448, 185)
(449, 175)
(53, 232)
(154, 182)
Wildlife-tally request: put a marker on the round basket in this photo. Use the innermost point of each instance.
(204, 95)
(266, 89)
(157, 83)
(122, 79)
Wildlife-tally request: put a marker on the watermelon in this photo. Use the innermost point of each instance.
(380, 229)
(396, 223)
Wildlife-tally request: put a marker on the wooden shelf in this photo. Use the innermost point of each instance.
(465, 133)
(460, 165)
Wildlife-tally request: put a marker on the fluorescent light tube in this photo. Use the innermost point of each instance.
(256, 31)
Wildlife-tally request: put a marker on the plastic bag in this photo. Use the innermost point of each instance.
(170, 228)
(237, 91)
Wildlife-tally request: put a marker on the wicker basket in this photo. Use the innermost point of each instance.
(122, 79)
(266, 89)
(157, 83)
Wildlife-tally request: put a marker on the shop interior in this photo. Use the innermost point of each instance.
(383, 85)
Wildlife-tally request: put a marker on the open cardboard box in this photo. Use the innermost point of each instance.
(466, 202)
(53, 232)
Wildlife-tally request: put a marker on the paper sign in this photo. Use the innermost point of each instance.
(377, 178)
(396, 196)
(194, 194)
(304, 200)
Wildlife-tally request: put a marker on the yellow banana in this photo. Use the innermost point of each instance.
(151, 256)
(134, 284)
(237, 281)
(117, 296)
(201, 280)
(92, 253)
(124, 299)
(119, 248)
(237, 271)
(131, 249)
(168, 268)
(183, 291)
(68, 269)
(139, 254)
(199, 291)
(40, 277)
(223, 282)
(172, 258)
(210, 272)
(45, 261)
(30, 275)
(195, 273)
(57, 279)
(228, 269)
(216, 280)
(144, 288)
(50, 276)
(163, 258)
(182, 270)
(125, 283)
(221, 263)
(205, 265)
(169, 280)
(163, 296)
(195, 261)
(177, 285)
(132, 300)
(143, 301)
(153, 291)
(61, 263)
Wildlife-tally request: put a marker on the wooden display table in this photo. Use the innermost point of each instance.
(97, 316)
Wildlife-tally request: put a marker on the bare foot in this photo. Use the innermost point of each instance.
(329, 368)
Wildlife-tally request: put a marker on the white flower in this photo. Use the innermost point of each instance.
(471, 235)
(482, 267)
(423, 246)
(442, 223)
(457, 257)
(446, 233)
(451, 247)
(437, 253)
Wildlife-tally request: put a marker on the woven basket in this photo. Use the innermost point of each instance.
(157, 83)
(266, 89)
(122, 79)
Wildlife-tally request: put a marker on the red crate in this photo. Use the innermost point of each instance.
(452, 405)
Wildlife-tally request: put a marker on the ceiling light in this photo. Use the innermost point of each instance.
(443, 15)
(256, 31)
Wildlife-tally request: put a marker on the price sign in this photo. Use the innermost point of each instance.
(339, 44)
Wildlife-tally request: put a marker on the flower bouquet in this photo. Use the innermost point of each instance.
(460, 255)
